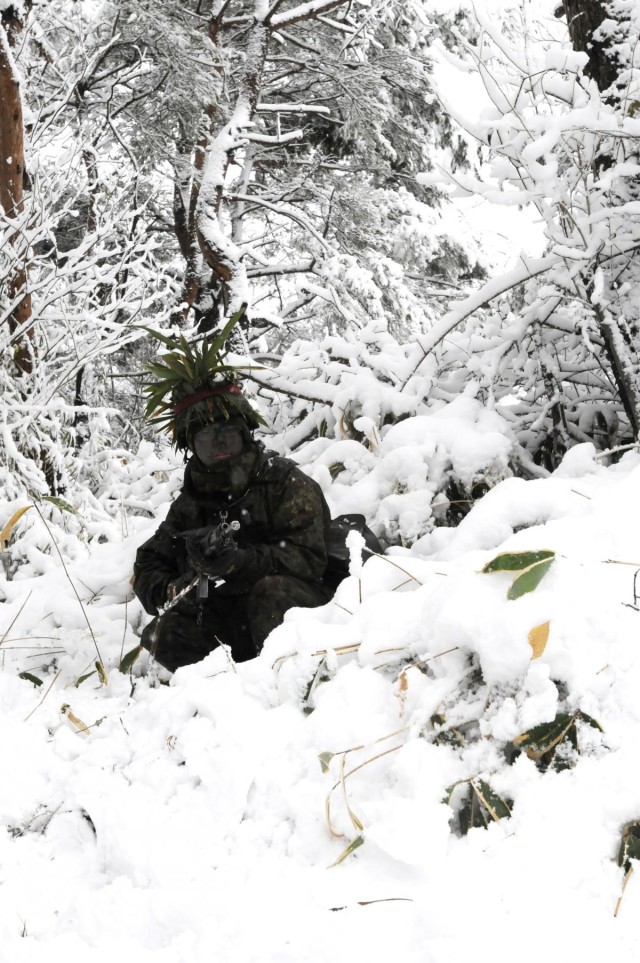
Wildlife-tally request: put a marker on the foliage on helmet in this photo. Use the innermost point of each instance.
(194, 386)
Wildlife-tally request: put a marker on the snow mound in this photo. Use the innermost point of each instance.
(294, 808)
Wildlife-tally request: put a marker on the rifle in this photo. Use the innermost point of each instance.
(213, 539)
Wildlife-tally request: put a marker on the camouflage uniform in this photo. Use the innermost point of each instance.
(282, 515)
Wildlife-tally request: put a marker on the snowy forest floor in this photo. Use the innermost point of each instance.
(206, 818)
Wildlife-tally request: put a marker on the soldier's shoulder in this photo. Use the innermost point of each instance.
(278, 468)
(273, 465)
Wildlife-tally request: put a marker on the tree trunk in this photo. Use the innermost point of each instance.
(583, 19)
(12, 185)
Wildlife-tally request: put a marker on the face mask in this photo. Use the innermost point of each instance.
(217, 443)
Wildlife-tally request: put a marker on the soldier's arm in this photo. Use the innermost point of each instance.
(158, 563)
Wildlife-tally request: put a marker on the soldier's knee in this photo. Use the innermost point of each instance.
(270, 587)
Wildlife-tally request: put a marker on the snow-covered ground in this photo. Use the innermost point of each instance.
(205, 819)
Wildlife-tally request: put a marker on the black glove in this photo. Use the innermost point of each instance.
(229, 562)
(177, 585)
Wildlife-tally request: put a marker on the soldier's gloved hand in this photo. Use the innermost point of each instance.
(177, 585)
(229, 562)
(197, 543)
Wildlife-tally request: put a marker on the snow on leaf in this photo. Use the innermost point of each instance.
(480, 805)
(543, 740)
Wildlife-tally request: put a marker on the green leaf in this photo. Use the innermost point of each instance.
(590, 721)
(542, 739)
(448, 793)
(219, 341)
(127, 661)
(165, 339)
(60, 503)
(83, 678)
(529, 580)
(325, 759)
(497, 807)
(28, 677)
(351, 848)
(629, 845)
(516, 561)
(480, 806)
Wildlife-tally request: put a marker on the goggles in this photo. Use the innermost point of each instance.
(217, 443)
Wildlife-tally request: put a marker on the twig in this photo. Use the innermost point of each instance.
(45, 695)
(370, 902)
(624, 886)
(345, 775)
(124, 632)
(613, 451)
(16, 618)
(395, 565)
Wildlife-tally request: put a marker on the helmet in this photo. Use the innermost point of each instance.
(195, 387)
(222, 402)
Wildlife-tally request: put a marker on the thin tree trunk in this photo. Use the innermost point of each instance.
(584, 20)
(584, 17)
(12, 185)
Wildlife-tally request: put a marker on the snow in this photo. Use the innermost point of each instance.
(187, 821)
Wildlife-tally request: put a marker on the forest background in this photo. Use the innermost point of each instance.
(430, 214)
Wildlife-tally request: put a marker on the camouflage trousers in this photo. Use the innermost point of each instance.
(241, 621)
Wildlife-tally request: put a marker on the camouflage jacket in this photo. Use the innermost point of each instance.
(282, 516)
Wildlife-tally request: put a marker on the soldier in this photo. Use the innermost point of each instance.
(276, 558)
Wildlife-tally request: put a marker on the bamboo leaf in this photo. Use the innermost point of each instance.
(127, 661)
(529, 580)
(629, 845)
(497, 807)
(351, 848)
(516, 561)
(538, 638)
(542, 739)
(83, 678)
(101, 672)
(28, 677)
(5, 534)
(60, 503)
(480, 805)
(590, 721)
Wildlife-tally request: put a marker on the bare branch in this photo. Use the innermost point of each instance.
(306, 11)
